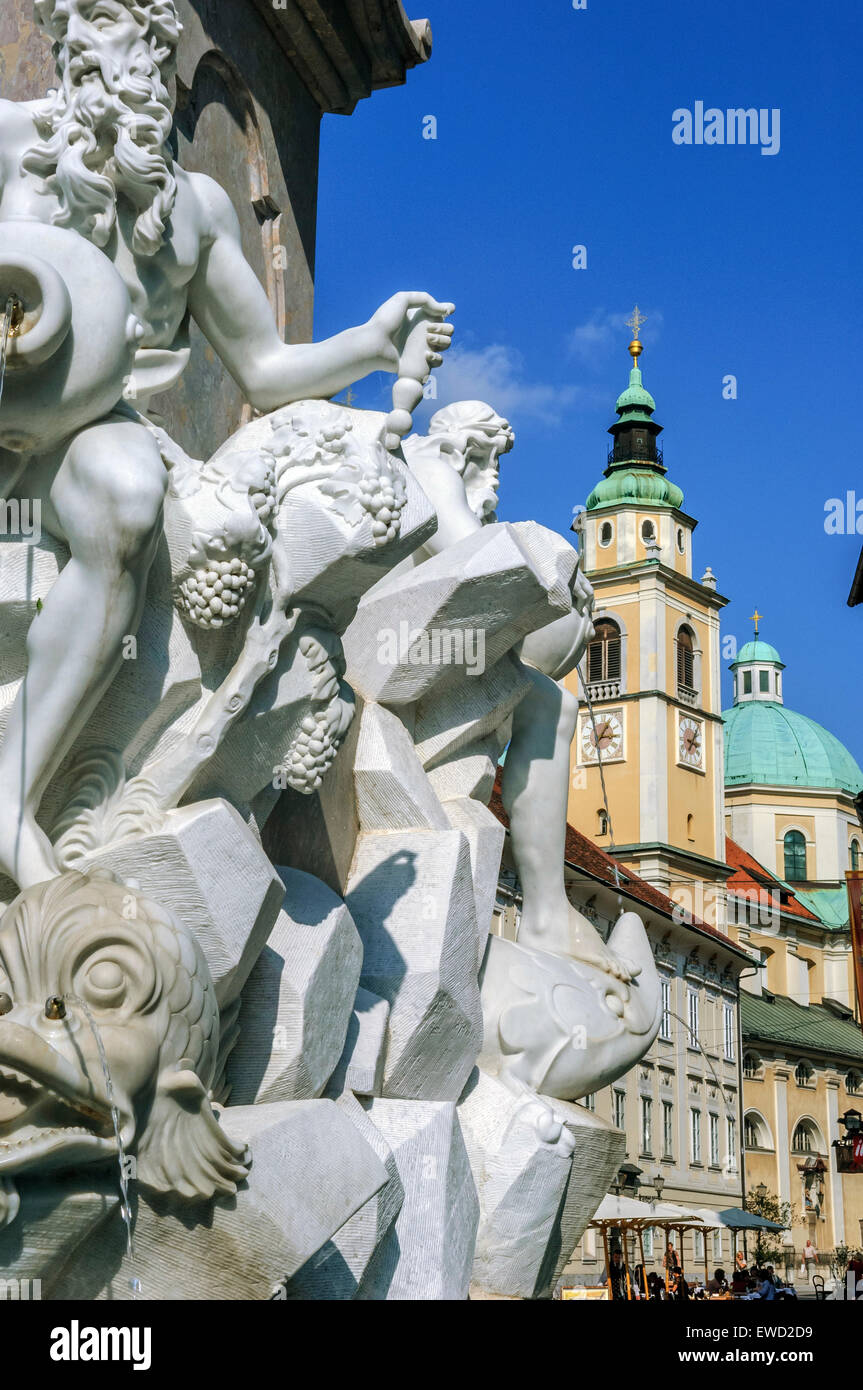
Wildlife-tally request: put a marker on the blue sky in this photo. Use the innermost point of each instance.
(554, 129)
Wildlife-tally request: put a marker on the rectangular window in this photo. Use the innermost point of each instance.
(646, 1125)
(619, 1107)
(714, 1140)
(731, 1141)
(695, 1136)
(665, 1023)
(589, 1102)
(588, 1244)
(698, 1243)
(693, 1018)
(728, 1030)
(747, 682)
(667, 1129)
(647, 1238)
(764, 681)
(717, 1245)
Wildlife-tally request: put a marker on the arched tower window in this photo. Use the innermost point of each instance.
(603, 653)
(685, 661)
(602, 822)
(855, 855)
(795, 856)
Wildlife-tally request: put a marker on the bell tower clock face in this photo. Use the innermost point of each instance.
(690, 742)
(605, 739)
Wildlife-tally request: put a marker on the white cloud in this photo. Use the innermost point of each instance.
(605, 331)
(497, 375)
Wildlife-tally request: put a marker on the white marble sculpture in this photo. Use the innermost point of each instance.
(220, 1078)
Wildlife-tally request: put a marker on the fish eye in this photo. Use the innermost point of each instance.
(105, 983)
(5, 1003)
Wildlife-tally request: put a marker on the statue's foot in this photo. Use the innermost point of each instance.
(569, 933)
(26, 853)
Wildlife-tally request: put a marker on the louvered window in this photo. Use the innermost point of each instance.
(603, 654)
(685, 660)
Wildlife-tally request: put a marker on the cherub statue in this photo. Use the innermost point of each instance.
(457, 464)
(93, 159)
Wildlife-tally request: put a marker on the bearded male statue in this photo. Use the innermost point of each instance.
(93, 158)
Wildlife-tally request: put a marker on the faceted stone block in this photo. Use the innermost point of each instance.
(428, 1254)
(541, 1169)
(411, 896)
(299, 998)
(485, 836)
(452, 722)
(336, 1271)
(311, 1171)
(360, 1070)
(207, 867)
(456, 613)
(392, 790)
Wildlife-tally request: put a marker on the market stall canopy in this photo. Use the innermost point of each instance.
(736, 1219)
(622, 1211)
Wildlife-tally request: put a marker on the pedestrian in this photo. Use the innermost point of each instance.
(719, 1283)
(810, 1257)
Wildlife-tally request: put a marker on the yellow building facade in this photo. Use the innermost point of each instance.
(650, 687)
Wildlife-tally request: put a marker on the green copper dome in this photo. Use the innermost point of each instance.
(757, 651)
(634, 485)
(636, 402)
(771, 745)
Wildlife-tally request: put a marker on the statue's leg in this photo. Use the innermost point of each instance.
(535, 796)
(105, 501)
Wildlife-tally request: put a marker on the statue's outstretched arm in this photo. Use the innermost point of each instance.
(232, 310)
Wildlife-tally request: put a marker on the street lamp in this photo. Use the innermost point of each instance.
(659, 1183)
(761, 1191)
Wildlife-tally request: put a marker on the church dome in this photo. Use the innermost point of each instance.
(754, 652)
(635, 485)
(767, 743)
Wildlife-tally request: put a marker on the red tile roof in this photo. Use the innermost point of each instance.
(749, 874)
(582, 853)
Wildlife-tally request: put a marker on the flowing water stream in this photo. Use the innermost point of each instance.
(7, 323)
(125, 1209)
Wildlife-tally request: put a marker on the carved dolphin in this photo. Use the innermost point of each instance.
(148, 990)
(564, 1028)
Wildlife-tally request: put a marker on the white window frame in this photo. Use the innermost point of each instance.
(646, 1119)
(665, 1021)
(731, 1142)
(693, 1016)
(728, 1031)
(668, 1129)
(713, 1139)
(694, 1134)
(618, 1104)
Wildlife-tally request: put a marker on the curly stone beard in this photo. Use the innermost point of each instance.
(103, 136)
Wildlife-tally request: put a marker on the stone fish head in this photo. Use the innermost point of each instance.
(149, 993)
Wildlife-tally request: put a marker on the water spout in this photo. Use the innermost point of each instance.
(125, 1209)
(8, 323)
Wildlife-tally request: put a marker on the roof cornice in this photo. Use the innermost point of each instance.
(346, 50)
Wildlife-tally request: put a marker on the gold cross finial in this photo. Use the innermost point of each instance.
(756, 618)
(638, 318)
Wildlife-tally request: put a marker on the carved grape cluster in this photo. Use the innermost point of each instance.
(311, 754)
(263, 497)
(215, 594)
(383, 496)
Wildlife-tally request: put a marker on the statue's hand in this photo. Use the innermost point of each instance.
(406, 352)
